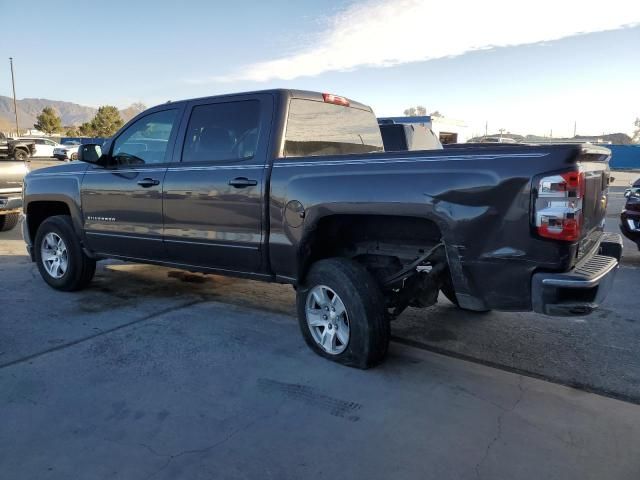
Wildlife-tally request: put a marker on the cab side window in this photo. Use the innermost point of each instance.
(145, 141)
(222, 131)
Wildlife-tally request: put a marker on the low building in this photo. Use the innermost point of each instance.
(450, 130)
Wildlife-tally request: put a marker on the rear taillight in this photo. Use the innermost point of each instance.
(558, 206)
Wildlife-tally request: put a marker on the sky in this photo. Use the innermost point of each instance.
(526, 66)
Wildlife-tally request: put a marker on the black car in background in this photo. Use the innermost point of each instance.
(630, 216)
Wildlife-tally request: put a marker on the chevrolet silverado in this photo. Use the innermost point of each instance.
(295, 187)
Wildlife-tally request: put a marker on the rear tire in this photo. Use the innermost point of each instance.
(366, 339)
(56, 239)
(9, 221)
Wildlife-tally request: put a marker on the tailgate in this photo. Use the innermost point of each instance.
(11, 176)
(594, 162)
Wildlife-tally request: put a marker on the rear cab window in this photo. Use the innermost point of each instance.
(316, 128)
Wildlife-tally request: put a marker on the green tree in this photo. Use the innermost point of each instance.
(106, 122)
(72, 132)
(86, 130)
(636, 133)
(418, 111)
(48, 122)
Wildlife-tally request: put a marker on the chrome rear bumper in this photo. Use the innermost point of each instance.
(582, 289)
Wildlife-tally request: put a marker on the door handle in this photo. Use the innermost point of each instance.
(148, 182)
(242, 182)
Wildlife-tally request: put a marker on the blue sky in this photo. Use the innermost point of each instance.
(526, 71)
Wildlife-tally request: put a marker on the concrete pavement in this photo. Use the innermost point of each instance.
(210, 390)
(154, 373)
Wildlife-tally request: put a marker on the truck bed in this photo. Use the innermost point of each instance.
(480, 200)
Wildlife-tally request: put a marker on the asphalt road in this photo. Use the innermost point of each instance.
(597, 353)
(153, 373)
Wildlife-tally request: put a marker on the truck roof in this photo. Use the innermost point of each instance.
(280, 92)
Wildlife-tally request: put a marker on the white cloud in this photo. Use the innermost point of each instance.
(382, 33)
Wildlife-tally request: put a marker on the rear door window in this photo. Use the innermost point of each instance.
(222, 132)
(319, 128)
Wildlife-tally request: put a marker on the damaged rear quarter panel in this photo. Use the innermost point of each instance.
(480, 201)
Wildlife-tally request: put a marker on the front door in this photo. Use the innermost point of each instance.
(122, 201)
(214, 196)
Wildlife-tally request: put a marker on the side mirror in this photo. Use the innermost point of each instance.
(90, 153)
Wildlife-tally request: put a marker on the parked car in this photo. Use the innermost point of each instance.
(17, 149)
(12, 173)
(67, 151)
(630, 216)
(44, 146)
(295, 187)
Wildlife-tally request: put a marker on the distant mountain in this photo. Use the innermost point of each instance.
(615, 138)
(71, 113)
(131, 111)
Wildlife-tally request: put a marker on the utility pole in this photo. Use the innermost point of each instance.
(575, 128)
(15, 105)
(486, 128)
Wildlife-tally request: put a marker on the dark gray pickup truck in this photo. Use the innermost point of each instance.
(295, 187)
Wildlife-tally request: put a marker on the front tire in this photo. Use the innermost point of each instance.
(20, 154)
(341, 313)
(59, 256)
(7, 222)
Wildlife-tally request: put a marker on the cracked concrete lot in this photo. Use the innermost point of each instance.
(156, 374)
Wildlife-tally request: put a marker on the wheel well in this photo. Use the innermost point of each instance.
(383, 243)
(38, 212)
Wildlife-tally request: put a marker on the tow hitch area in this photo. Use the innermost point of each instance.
(581, 290)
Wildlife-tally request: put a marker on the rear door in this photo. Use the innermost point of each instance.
(214, 195)
(122, 202)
